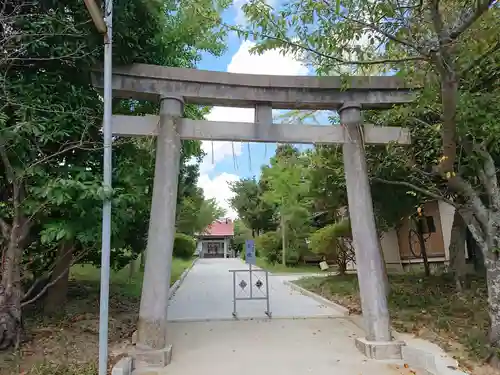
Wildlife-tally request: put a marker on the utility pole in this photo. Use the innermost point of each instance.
(104, 25)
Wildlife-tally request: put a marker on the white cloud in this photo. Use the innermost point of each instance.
(270, 62)
(241, 18)
(218, 188)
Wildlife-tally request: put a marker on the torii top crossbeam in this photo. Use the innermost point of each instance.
(142, 81)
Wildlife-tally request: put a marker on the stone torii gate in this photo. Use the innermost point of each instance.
(176, 86)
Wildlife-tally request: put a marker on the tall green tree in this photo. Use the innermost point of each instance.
(241, 234)
(256, 213)
(195, 213)
(431, 44)
(50, 139)
(288, 187)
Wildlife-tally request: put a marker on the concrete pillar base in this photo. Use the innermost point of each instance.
(122, 367)
(380, 349)
(151, 357)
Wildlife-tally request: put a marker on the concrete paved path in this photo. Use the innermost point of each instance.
(207, 294)
(206, 340)
(271, 347)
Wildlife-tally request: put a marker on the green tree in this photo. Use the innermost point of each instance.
(50, 139)
(334, 242)
(288, 187)
(434, 45)
(196, 213)
(241, 234)
(256, 213)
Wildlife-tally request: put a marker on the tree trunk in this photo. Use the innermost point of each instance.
(490, 244)
(133, 267)
(457, 251)
(421, 242)
(11, 293)
(57, 293)
(476, 253)
(131, 270)
(341, 256)
(143, 259)
(492, 264)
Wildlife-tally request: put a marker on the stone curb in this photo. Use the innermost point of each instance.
(428, 357)
(178, 283)
(417, 353)
(300, 275)
(317, 298)
(421, 354)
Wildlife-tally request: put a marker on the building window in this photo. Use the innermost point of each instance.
(428, 225)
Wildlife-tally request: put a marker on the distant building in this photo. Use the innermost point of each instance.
(214, 241)
(400, 245)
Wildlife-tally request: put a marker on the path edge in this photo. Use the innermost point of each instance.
(178, 283)
(341, 309)
(421, 354)
(416, 352)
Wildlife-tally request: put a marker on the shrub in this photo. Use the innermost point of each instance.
(269, 246)
(184, 246)
(292, 256)
(334, 242)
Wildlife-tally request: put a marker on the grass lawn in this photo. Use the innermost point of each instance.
(68, 344)
(428, 307)
(280, 268)
(121, 281)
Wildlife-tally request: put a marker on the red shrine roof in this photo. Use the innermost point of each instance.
(219, 228)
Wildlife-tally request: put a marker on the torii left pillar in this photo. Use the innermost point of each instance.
(153, 346)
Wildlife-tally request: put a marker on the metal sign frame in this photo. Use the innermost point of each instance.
(251, 260)
(251, 295)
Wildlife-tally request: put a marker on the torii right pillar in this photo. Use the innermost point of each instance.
(378, 343)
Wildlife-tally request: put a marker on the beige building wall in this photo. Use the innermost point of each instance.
(390, 249)
(434, 241)
(395, 243)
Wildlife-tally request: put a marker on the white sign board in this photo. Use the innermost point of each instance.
(250, 252)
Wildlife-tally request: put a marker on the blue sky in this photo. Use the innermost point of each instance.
(226, 162)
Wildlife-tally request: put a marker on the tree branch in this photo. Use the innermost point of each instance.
(42, 292)
(9, 170)
(479, 60)
(76, 145)
(48, 285)
(488, 176)
(387, 35)
(475, 203)
(458, 184)
(415, 187)
(476, 232)
(334, 58)
(437, 20)
(5, 227)
(472, 16)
